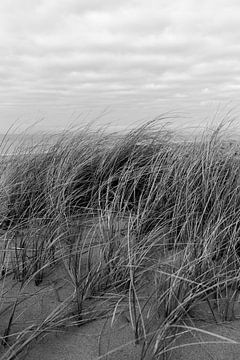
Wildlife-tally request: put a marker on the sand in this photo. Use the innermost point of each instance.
(96, 338)
(88, 341)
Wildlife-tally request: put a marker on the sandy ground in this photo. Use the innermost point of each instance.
(89, 341)
(224, 345)
(93, 340)
(97, 338)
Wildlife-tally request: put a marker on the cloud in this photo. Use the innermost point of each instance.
(110, 52)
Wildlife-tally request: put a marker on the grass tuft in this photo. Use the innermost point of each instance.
(140, 224)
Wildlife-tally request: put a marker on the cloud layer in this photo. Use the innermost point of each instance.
(134, 55)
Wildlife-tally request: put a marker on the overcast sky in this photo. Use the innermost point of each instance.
(65, 61)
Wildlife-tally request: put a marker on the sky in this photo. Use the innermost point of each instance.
(65, 62)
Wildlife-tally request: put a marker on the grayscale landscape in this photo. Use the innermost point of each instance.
(119, 180)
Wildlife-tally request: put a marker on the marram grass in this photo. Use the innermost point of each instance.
(139, 222)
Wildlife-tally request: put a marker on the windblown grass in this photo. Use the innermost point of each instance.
(140, 223)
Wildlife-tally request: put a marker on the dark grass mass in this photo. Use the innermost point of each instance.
(161, 208)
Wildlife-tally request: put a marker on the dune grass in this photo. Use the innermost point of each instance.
(140, 223)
